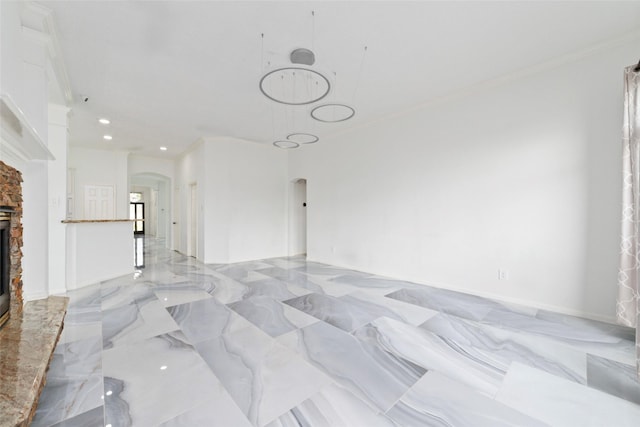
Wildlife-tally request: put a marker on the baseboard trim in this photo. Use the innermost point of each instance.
(495, 297)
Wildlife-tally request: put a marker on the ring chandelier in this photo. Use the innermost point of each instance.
(294, 86)
(303, 138)
(287, 145)
(302, 86)
(332, 113)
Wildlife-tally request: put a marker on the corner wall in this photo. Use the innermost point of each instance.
(523, 177)
(246, 201)
(241, 200)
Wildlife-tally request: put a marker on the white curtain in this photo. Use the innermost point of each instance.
(628, 304)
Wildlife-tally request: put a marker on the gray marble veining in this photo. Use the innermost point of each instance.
(335, 311)
(559, 402)
(510, 346)
(352, 363)
(252, 344)
(150, 382)
(436, 400)
(135, 322)
(264, 378)
(91, 418)
(206, 319)
(74, 382)
(615, 378)
(472, 366)
(271, 316)
(332, 406)
(461, 305)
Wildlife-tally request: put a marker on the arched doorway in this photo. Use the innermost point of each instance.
(155, 192)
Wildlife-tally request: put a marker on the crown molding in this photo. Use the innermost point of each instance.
(464, 92)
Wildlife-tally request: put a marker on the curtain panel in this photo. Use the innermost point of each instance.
(628, 303)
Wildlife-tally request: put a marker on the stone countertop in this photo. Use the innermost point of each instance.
(27, 342)
(83, 221)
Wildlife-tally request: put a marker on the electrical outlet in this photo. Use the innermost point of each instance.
(503, 274)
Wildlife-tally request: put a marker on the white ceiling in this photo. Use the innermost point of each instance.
(170, 72)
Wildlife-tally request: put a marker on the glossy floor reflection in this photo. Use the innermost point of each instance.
(286, 342)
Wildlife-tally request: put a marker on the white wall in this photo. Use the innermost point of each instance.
(10, 44)
(242, 200)
(100, 167)
(57, 188)
(144, 165)
(26, 78)
(98, 252)
(246, 201)
(189, 170)
(523, 176)
(35, 245)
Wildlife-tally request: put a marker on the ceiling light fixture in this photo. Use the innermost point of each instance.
(108, 137)
(286, 144)
(303, 138)
(104, 121)
(294, 86)
(332, 113)
(163, 148)
(302, 56)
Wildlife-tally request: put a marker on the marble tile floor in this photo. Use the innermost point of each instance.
(286, 342)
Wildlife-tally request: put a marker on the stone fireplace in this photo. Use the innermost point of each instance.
(11, 230)
(31, 330)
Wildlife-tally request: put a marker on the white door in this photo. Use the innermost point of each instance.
(192, 232)
(99, 202)
(298, 218)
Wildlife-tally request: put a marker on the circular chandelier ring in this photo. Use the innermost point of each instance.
(264, 92)
(286, 145)
(350, 115)
(294, 136)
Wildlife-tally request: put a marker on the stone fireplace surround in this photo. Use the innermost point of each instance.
(11, 197)
(29, 337)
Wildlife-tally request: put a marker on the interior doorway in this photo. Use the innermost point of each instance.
(136, 212)
(155, 191)
(192, 229)
(298, 217)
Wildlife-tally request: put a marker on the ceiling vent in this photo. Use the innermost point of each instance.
(303, 56)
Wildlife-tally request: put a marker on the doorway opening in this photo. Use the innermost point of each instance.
(192, 217)
(155, 192)
(136, 212)
(298, 217)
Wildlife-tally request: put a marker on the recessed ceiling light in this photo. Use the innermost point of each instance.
(104, 121)
(163, 148)
(108, 137)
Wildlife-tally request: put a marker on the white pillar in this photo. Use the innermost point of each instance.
(57, 185)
